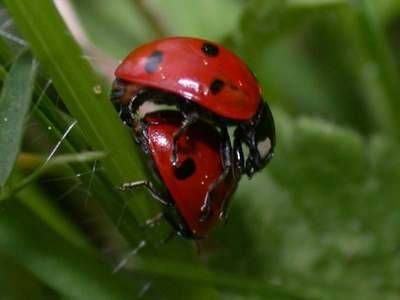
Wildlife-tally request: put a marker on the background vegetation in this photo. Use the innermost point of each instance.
(321, 222)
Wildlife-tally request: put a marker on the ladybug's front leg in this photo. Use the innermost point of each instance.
(189, 120)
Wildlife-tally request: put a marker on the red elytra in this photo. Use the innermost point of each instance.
(200, 71)
(199, 152)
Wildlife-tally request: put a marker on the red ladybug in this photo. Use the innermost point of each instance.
(206, 82)
(199, 71)
(185, 186)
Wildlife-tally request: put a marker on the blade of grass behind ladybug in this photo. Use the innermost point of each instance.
(14, 104)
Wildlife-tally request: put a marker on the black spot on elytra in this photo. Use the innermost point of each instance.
(186, 169)
(210, 49)
(153, 61)
(216, 86)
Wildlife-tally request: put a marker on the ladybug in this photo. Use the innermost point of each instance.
(182, 189)
(207, 83)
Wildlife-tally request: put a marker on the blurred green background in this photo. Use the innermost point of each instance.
(321, 222)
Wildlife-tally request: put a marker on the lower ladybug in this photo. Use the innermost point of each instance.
(185, 189)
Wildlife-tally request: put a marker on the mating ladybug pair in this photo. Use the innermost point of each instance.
(180, 96)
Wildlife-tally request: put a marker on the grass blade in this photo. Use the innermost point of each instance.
(14, 104)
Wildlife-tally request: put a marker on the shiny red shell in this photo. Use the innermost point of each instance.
(200, 71)
(200, 165)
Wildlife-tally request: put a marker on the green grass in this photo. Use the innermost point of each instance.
(321, 222)
(15, 98)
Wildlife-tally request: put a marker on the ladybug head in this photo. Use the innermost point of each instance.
(259, 136)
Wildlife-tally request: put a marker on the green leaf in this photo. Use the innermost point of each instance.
(14, 104)
(264, 21)
(72, 272)
(207, 18)
(314, 3)
(387, 10)
(17, 283)
(324, 217)
(379, 73)
(190, 274)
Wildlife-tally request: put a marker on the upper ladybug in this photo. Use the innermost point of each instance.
(205, 82)
(198, 70)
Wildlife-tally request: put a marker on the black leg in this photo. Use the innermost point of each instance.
(253, 161)
(226, 154)
(146, 184)
(189, 120)
(238, 159)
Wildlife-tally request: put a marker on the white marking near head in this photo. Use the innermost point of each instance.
(264, 146)
(149, 107)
